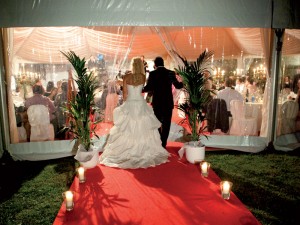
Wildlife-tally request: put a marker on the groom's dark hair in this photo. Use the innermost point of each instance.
(158, 61)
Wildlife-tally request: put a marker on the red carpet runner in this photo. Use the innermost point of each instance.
(173, 193)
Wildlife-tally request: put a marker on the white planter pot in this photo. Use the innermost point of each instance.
(91, 163)
(194, 153)
(87, 159)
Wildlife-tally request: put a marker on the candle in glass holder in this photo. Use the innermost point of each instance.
(204, 168)
(81, 174)
(68, 195)
(225, 189)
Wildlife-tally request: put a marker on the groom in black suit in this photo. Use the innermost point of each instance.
(160, 84)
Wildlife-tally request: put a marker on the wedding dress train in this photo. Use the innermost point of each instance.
(134, 140)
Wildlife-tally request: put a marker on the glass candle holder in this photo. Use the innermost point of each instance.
(225, 189)
(69, 200)
(204, 166)
(81, 174)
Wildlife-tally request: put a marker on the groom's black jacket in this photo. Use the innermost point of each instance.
(160, 84)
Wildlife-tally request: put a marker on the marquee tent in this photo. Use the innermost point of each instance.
(119, 30)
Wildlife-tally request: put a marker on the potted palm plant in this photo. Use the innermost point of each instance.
(79, 110)
(197, 98)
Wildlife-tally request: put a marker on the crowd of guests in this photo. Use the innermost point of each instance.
(247, 90)
(109, 95)
(53, 97)
(242, 89)
(107, 98)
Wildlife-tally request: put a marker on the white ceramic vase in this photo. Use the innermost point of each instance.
(194, 152)
(87, 159)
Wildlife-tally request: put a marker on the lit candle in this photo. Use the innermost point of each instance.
(69, 199)
(81, 174)
(204, 167)
(226, 187)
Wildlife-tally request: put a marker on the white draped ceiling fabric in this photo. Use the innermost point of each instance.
(43, 44)
(120, 30)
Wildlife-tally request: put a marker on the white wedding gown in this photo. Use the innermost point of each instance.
(134, 140)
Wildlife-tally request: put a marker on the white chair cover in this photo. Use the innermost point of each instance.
(22, 134)
(39, 119)
(241, 125)
(287, 117)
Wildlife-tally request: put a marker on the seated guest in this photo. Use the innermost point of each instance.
(17, 97)
(287, 83)
(50, 86)
(100, 101)
(208, 84)
(239, 85)
(229, 94)
(39, 99)
(58, 85)
(60, 102)
(53, 94)
(251, 87)
(285, 92)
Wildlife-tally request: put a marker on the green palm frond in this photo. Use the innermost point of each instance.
(194, 82)
(82, 105)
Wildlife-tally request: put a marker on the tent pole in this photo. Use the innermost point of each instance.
(276, 75)
(4, 126)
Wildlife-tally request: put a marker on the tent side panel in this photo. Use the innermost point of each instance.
(230, 13)
(286, 14)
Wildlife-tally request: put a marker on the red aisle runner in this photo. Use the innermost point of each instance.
(173, 193)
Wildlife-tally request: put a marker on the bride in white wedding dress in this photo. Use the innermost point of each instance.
(134, 140)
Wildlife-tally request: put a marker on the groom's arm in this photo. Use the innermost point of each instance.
(150, 83)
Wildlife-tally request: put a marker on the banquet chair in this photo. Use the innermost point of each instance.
(241, 124)
(287, 117)
(39, 120)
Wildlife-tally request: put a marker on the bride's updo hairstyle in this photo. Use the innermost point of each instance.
(137, 70)
(137, 66)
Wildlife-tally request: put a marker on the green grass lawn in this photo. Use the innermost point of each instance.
(268, 183)
(29, 190)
